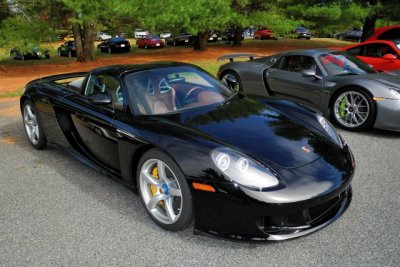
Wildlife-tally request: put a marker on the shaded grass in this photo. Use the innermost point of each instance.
(15, 93)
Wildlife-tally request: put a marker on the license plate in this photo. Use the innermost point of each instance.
(157, 44)
(122, 45)
(186, 41)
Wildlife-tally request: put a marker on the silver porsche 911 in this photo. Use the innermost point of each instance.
(338, 84)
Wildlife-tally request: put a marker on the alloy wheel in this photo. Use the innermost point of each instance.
(31, 125)
(351, 109)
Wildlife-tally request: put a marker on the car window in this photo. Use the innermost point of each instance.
(358, 51)
(106, 83)
(171, 89)
(297, 63)
(392, 34)
(378, 50)
(342, 63)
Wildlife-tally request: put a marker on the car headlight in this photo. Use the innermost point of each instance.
(330, 130)
(243, 170)
(395, 92)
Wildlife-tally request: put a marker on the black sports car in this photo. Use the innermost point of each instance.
(113, 45)
(243, 167)
(68, 49)
(179, 39)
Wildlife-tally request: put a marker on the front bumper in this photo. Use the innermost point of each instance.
(257, 223)
(311, 197)
(388, 115)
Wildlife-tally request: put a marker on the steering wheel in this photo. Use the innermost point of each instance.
(188, 98)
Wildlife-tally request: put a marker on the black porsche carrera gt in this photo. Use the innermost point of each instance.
(243, 167)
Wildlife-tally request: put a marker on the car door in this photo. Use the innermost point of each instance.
(373, 55)
(286, 81)
(94, 122)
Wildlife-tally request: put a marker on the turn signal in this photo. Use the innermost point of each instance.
(203, 187)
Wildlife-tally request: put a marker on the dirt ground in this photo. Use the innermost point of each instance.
(15, 77)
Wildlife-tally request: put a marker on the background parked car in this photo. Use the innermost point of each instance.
(101, 36)
(179, 39)
(165, 34)
(112, 45)
(213, 36)
(229, 35)
(381, 54)
(386, 33)
(67, 49)
(302, 33)
(150, 40)
(140, 33)
(263, 33)
(34, 53)
(353, 35)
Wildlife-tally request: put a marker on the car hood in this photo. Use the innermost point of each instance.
(388, 79)
(260, 131)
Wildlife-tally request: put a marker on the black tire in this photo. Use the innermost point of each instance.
(239, 87)
(357, 116)
(145, 46)
(174, 43)
(12, 57)
(175, 174)
(22, 57)
(41, 140)
(59, 53)
(47, 56)
(109, 50)
(69, 54)
(99, 49)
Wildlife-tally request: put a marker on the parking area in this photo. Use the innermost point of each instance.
(56, 211)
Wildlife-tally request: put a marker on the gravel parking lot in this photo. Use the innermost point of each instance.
(56, 211)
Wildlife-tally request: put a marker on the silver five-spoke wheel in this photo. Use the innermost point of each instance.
(164, 190)
(31, 125)
(161, 191)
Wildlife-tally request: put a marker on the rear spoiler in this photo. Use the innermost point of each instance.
(232, 56)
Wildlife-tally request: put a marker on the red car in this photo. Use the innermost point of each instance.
(150, 40)
(386, 33)
(382, 55)
(264, 33)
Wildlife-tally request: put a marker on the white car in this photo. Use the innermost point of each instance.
(140, 33)
(165, 34)
(103, 36)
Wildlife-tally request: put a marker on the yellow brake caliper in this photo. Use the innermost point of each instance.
(153, 188)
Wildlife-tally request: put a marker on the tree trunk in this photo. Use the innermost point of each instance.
(200, 41)
(89, 29)
(369, 27)
(76, 29)
(238, 36)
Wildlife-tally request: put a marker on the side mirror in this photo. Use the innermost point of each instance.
(100, 98)
(310, 73)
(389, 57)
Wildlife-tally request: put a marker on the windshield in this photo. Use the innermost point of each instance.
(341, 63)
(172, 89)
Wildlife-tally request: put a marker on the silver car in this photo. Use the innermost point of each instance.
(338, 84)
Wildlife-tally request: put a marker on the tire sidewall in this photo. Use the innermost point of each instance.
(42, 139)
(186, 215)
(372, 107)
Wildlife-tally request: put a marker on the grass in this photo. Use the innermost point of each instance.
(15, 93)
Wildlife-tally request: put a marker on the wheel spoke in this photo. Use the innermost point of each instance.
(151, 180)
(174, 191)
(35, 133)
(169, 209)
(161, 171)
(154, 201)
(30, 113)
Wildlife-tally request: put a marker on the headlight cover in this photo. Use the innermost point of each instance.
(330, 130)
(243, 170)
(395, 92)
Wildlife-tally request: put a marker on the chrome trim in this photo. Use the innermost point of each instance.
(122, 133)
